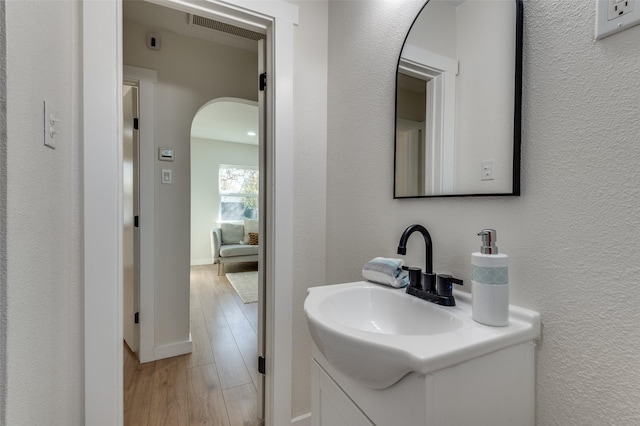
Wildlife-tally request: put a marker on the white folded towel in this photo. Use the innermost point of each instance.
(387, 271)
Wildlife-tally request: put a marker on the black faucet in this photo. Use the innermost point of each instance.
(427, 285)
(402, 245)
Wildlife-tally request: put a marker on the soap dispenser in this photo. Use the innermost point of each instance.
(489, 282)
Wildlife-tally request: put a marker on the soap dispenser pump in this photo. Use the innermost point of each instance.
(489, 282)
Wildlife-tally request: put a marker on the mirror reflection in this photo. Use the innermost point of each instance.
(458, 100)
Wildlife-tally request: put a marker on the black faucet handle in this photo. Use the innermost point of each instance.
(429, 282)
(444, 287)
(414, 276)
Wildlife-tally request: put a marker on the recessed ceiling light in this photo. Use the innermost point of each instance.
(251, 133)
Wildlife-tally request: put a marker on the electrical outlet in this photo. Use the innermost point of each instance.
(613, 16)
(487, 170)
(618, 8)
(50, 125)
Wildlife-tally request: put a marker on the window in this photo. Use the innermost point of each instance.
(238, 187)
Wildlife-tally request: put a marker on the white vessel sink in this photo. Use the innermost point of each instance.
(376, 334)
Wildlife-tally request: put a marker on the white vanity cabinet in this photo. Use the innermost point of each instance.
(331, 406)
(496, 389)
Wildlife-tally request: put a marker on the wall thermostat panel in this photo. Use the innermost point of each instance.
(165, 154)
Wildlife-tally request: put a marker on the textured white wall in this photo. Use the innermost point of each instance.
(45, 290)
(572, 236)
(191, 72)
(206, 157)
(310, 152)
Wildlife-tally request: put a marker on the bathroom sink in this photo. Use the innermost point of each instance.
(377, 310)
(376, 334)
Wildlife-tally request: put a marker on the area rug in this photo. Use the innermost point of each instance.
(245, 284)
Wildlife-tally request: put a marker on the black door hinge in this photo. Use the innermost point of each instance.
(261, 364)
(135, 123)
(263, 81)
(136, 318)
(136, 221)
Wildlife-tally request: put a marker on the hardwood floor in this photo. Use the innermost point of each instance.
(214, 385)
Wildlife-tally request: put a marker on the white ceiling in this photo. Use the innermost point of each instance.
(228, 120)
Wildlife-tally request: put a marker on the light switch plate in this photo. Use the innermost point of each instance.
(166, 176)
(487, 170)
(613, 16)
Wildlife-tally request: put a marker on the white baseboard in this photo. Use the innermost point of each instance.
(173, 349)
(303, 420)
(197, 262)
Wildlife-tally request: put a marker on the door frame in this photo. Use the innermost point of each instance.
(440, 73)
(102, 76)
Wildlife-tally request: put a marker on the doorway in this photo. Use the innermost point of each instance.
(101, 35)
(189, 68)
(226, 211)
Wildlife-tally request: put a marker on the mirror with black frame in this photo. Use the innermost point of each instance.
(458, 101)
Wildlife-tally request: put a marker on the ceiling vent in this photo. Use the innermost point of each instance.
(202, 22)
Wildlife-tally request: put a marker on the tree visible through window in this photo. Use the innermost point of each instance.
(238, 192)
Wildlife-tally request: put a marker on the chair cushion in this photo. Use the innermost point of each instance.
(232, 233)
(230, 250)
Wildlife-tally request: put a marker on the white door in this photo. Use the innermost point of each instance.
(130, 240)
(263, 217)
